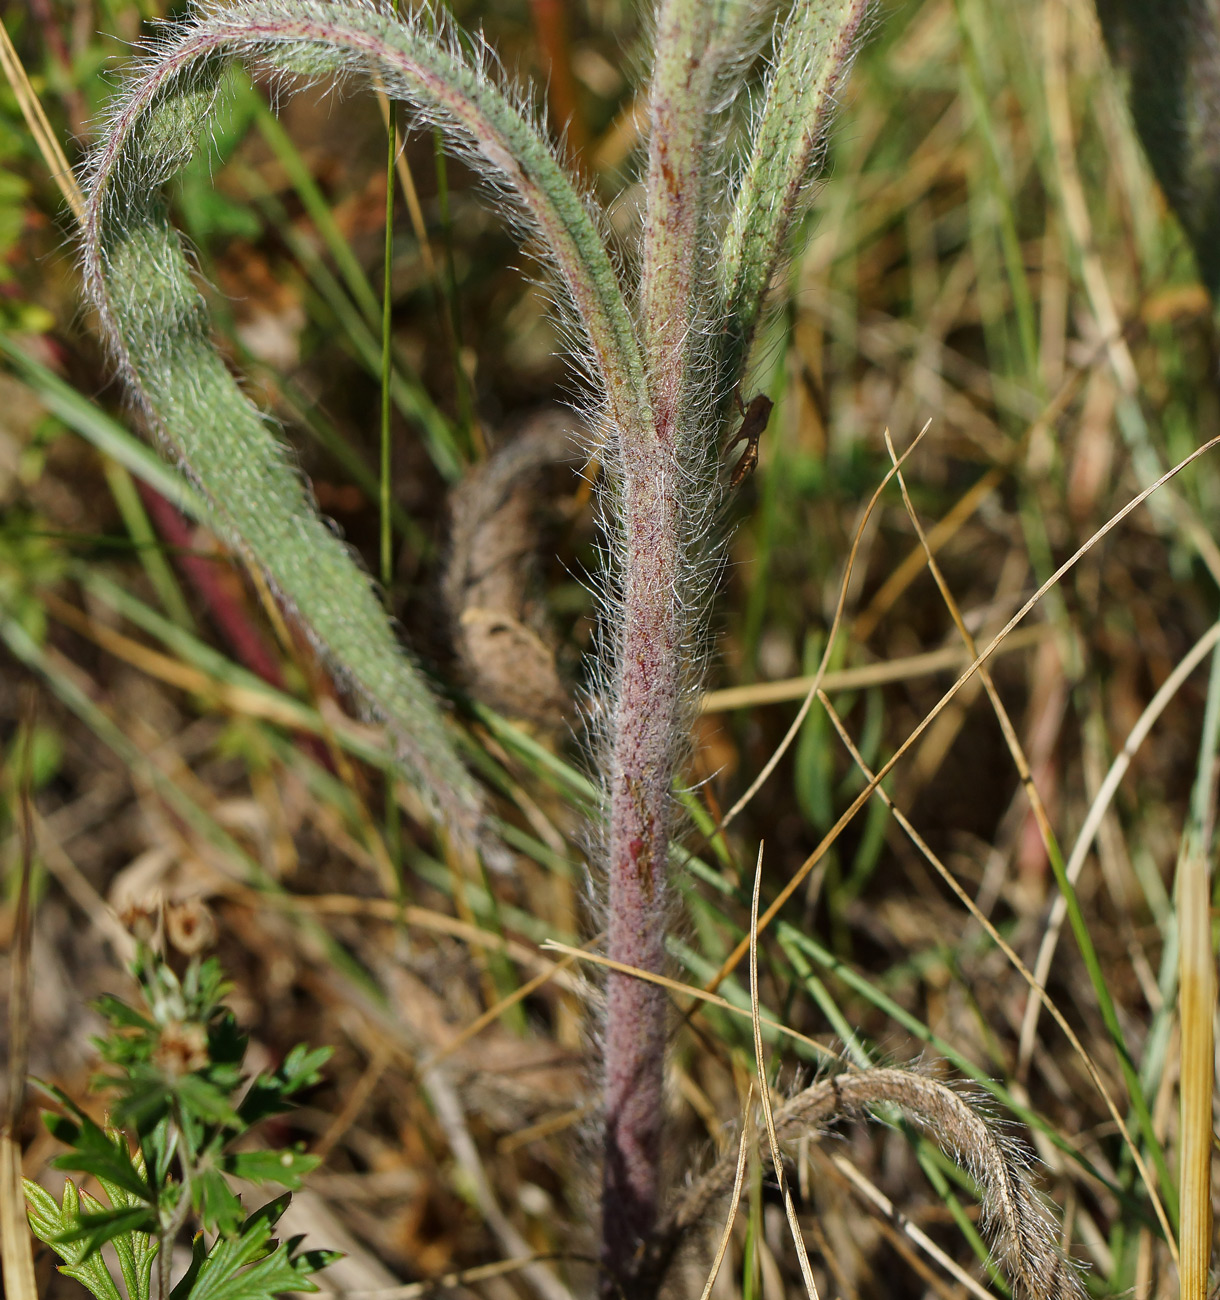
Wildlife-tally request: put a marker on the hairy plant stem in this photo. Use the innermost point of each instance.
(668, 489)
(649, 696)
(652, 498)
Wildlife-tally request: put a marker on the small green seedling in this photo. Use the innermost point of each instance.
(166, 1156)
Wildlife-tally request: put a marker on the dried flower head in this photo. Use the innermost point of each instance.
(142, 918)
(190, 926)
(182, 1048)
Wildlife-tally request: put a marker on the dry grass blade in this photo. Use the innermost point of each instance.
(40, 128)
(698, 994)
(735, 957)
(494, 1012)
(461, 1278)
(1075, 206)
(244, 701)
(894, 1216)
(912, 565)
(1092, 824)
(1012, 1215)
(948, 525)
(1196, 1009)
(545, 1128)
(858, 679)
(794, 730)
(452, 1117)
(1044, 829)
(1010, 733)
(424, 918)
(1040, 995)
(16, 1252)
(355, 1101)
(764, 1092)
(743, 1150)
(101, 916)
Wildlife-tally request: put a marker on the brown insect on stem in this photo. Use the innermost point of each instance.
(753, 421)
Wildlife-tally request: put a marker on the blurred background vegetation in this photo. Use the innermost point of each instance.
(990, 254)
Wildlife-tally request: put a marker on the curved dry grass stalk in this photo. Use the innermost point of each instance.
(875, 781)
(948, 525)
(1040, 995)
(1013, 1217)
(739, 1177)
(1050, 843)
(1015, 748)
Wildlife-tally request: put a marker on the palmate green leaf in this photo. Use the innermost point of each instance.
(97, 1226)
(49, 1221)
(135, 1250)
(145, 1101)
(203, 1100)
(77, 1229)
(94, 1151)
(288, 1167)
(215, 1202)
(204, 986)
(109, 1167)
(250, 1265)
(120, 1015)
(226, 1042)
(269, 1093)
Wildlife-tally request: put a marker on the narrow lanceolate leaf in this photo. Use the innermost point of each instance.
(140, 281)
(155, 126)
(697, 44)
(812, 63)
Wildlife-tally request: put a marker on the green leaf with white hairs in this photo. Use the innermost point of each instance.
(812, 62)
(140, 280)
(691, 48)
(257, 498)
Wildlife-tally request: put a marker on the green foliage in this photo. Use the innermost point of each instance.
(174, 1069)
(16, 315)
(28, 562)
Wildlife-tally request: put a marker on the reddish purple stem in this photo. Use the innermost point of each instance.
(203, 574)
(648, 710)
